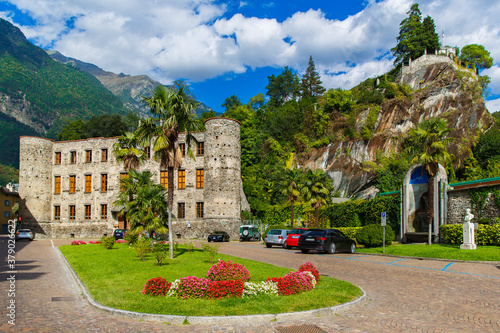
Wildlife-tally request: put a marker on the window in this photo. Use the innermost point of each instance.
(6, 214)
(88, 212)
(147, 150)
(57, 185)
(182, 147)
(164, 178)
(199, 209)
(200, 178)
(6, 203)
(122, 177)
(72, 158)
(72, 184)
(104, 155)
(104, 182)
(181, 210)
(182, 179)
(57, 212)
(88, 183)
(104, 211)
(72, 212)
(88, 156)
(58, 158)
(200, 150)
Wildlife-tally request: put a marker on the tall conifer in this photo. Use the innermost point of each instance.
(409, 39)
(311, 82)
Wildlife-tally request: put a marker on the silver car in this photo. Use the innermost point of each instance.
(276, 237)
(25, 234)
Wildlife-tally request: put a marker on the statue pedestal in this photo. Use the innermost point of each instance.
(468, 237)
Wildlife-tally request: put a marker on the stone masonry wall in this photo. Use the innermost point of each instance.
(459, 201)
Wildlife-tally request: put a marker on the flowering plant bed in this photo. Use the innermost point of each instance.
(116, 278)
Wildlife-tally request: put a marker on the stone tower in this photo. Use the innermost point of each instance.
(223, 173)
(35, 180)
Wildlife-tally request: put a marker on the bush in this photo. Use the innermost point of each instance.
(211, 252)
(351, 232)
(142, 247)
(160, 252)
(192, 287)
(78, 242)
(223, 271)
(294, 283)
(108, 242)
(485, 234)
(225, 289)
(189, 246)
(157, 287)
(131, 237)
(371, 235)
(308, 267)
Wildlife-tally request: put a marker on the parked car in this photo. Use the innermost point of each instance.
(249, 232)
(326, 240)
(218, 236)
(119, 233)
(293, 238)
(25, 234)
(276, 237)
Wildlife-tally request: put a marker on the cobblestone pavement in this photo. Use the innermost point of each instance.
(406, 295)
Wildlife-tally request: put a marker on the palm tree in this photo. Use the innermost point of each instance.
(428, 144)
(173, 112)
(317, 190)
(292, 184)
(127, 150)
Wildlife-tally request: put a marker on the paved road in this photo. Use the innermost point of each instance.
(403, 295)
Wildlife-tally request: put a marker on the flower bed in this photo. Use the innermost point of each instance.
(228, 279)
(78, 242)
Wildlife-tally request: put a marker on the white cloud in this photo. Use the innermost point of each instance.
(493, 105)
(494, 74)
(192, 40)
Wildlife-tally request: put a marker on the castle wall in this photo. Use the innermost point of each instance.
(220, 192)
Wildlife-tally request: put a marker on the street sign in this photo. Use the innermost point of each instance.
(383, 219)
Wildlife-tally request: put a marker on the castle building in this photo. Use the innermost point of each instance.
(67, 188)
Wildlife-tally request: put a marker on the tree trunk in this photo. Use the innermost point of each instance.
(316, 216)
(291, 219)
(430, 213)
(170, 196)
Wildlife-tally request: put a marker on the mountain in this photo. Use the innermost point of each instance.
(433, 86)
(128, 88)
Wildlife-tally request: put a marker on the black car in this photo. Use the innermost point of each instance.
(218, 236)
(119, 233)
(326, 240)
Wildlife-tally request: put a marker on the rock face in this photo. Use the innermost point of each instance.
(20, 108)
(441, 89)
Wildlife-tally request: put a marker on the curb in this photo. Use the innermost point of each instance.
(201, 320)
(494, 263)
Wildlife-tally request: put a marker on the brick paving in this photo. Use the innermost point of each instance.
(403, 295)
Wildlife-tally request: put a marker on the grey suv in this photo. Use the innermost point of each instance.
(276, 237)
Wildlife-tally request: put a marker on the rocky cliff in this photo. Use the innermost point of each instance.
(440, 89)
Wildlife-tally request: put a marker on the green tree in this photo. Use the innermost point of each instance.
(128, 151)
(292, 185)
(487, 147)
(428, 144)
(72, 131)
(409, 44)
(476, 56)
(340, 100)
(257, 101)
(283, 87)
(317, 191)
(173, 113)
(310, 85)
(105, 126)
(144, 203)
(430, 38)
(231, 103)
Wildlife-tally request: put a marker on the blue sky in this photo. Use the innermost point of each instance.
(230, 47)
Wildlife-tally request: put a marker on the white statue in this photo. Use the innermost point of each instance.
(468, 230)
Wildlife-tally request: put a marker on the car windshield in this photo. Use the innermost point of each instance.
(218, 233)
(315, 233)
(24, 230)
(274, 232)
(119, 230)
(298, 231)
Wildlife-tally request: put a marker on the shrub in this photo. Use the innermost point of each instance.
(485, 234)
(189, 246)
(223, 271)
(350, 232)
(371, 235)
(294, 283)
(157, 287)
(160, 252)
(225, 289)
(108, 242)
(260, 288)
(131, 237)
(308, 267)
(142, 247)
(192, 287)
(211, 252)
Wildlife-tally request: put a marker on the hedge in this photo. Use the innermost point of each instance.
(485, 234)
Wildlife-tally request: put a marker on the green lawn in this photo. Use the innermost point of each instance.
(116, 277)
(449, 251)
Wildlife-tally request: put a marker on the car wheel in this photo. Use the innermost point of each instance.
(241, 239)
(304, 251)
(353, 248)
(268, 245)
(331, 249)
(209, 240)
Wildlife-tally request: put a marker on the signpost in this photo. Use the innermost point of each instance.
(383, 222)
